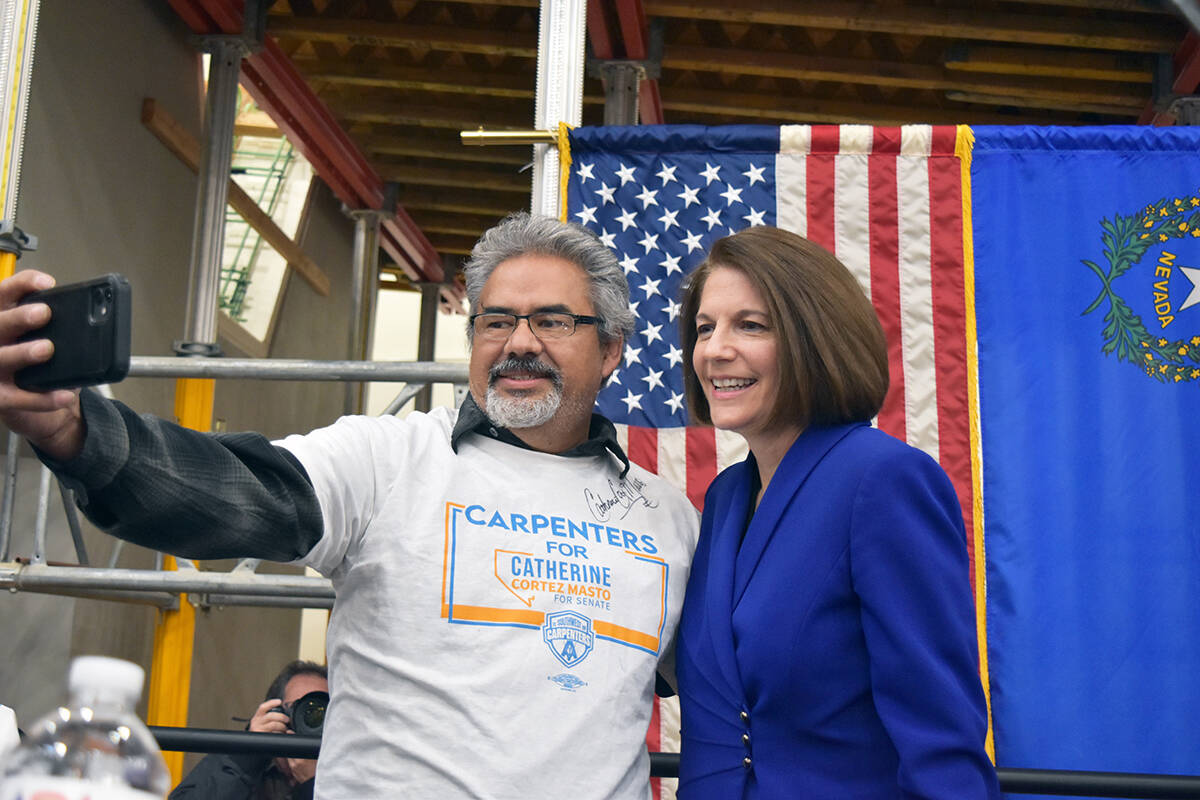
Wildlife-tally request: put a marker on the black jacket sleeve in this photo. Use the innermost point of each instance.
(222, 777)
(191, 494)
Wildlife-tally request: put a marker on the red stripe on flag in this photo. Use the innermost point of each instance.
(701, 463)
(643, 448)
(885, 140)
(654, 745)
(883, 204)
(821, 182)
(949, 326)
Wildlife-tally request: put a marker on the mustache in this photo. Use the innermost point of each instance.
(531, 365)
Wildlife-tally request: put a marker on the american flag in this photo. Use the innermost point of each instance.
(887, 201)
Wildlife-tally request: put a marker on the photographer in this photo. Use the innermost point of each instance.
(255, 777)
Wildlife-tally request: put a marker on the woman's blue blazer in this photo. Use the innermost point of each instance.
(832, 654)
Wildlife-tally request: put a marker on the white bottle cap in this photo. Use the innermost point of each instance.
(92, 673)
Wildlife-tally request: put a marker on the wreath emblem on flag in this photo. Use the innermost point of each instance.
(1126, 240)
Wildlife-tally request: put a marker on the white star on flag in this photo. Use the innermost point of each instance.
(606, 193)
(586, 214)
(628, 220)
(754, 218)
(689, 196)
(629, 264)
(649, 241)
(755, 174)
(633, 355)
(731, 195)
(672, 264)
(625, 174)
(651, 332)
(710, 173)
(608, 239)
(668, 219)
(585, 172)
(674, 355)
(653, 379)
(692, 241)
(650, 287)
(1193, 275)
(675, 402)
(647, 197)
(667, 174)
(713, 217)
(632, 400)
(672, 309)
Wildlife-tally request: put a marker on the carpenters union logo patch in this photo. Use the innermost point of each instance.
(1163, 241)
(569, 636)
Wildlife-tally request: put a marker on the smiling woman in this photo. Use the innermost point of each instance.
(827, 640)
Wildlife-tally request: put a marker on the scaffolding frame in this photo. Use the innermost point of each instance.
(242, 585)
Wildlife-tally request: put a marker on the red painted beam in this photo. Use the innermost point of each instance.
(632, 17)
(1187, 79)
(275, 84)
(599, 30)
(617, 30)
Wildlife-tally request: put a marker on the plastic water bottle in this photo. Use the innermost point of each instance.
(93, 749)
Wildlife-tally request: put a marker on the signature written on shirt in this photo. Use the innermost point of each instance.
(617, 498)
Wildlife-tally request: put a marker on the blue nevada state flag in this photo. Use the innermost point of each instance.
(1087, 296)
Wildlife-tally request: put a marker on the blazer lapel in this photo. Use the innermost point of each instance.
(728, 516)
(803, 456)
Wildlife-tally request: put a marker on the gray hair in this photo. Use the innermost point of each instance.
(523, 234)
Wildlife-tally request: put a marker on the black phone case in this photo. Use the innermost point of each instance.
(89, 325)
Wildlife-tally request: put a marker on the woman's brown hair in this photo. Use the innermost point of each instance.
(833, 365)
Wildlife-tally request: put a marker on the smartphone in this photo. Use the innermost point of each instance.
(89, 326)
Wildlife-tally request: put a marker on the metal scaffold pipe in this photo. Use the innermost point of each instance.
(35, 577)
(289, 369)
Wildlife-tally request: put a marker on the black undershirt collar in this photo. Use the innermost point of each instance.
(602, 435)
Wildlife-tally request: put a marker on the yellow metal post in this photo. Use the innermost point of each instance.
(171, 673)
(8, 264)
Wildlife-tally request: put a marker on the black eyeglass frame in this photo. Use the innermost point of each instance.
(577, 320)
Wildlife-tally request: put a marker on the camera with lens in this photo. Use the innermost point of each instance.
(307, 715)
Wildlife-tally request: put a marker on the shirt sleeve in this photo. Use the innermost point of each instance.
(192, 494)
(909, 568)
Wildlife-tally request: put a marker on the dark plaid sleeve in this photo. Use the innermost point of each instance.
(191, 494)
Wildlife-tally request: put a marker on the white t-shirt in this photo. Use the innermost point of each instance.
(499, 617)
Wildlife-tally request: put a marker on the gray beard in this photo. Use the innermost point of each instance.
(522, 412)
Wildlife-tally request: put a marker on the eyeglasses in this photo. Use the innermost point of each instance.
(498, 327)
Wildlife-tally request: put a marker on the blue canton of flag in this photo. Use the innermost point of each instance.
(660, 213)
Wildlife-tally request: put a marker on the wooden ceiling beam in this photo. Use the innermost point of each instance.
(392, 76)
(493, 204)
(453, 243)
(410, 174)
(1128, 67)
(1149, 37)
(461, 117)
(463, 224)
(1129, 6)
(774, 109)
(427, 144)
(894, 74)
(454, 38)
(1018, 101)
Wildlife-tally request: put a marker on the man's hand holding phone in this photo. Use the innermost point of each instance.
(50, 420)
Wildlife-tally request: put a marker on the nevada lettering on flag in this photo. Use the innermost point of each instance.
(886, 201)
